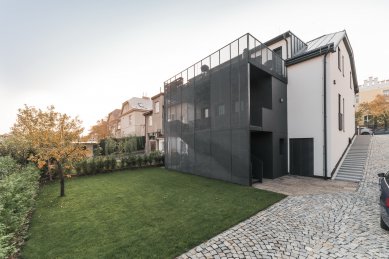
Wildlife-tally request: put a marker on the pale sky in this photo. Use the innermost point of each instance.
(86, 57)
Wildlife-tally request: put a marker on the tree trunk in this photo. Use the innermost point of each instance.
(62, 179)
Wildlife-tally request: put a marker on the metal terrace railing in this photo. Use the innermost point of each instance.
(246, 48)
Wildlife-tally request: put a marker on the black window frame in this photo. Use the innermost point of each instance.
(340, 119)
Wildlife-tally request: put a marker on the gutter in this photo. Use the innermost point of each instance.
(325, 108)
(312, 54)
(287, 49)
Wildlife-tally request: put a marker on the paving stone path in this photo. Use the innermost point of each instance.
(340, 225)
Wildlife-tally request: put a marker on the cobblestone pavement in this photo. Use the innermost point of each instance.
(340, 225)
(302, 185)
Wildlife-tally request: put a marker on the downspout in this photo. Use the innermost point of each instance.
(325, 112)
(287, 50)
(146, 144)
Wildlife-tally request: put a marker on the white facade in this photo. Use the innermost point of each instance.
(339, 82)
(306, 99)
(306, 106)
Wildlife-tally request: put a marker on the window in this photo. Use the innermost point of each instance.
(130, 120)
(343, 65)
(339, 59)
(205, 113)
(278, 51)
(366, 119)
(343, 126)
(150, 120)
(357, 99)
(221, 110)
(156, 107)
(351, 84)
(386, 92)
(239, 106)
(340, 115)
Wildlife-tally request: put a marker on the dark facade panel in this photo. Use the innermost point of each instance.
(301, 156)
(207, 110)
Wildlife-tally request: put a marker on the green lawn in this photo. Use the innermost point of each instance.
(146, 213)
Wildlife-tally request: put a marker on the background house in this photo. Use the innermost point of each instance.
(113, 123)
(132, 121)
(370, 89)
(154, 125)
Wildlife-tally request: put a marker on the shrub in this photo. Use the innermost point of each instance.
(18, 191)
(133, 160)
(123, 162)
(113, 163)
(99, 165)
(91, 166)
(107, 164)
(7, 166)
(84, 167)
(139, 160)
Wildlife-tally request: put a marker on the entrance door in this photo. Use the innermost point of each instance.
(301, 156)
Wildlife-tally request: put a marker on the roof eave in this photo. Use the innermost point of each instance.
(309, 55)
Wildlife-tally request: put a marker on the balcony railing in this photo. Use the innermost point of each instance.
(246, 48)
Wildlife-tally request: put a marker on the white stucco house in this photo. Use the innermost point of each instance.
(322, 84)
(132, 121)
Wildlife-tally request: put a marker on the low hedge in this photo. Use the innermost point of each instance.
(104, 164)
(18, 190)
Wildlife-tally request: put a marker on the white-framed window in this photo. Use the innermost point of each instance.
(386, 92)
(130, 120)
(156, 107)
(150, 120)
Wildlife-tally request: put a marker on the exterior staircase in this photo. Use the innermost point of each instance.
(353, 165)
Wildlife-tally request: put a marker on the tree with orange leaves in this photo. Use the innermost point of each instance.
(379, 108)
(99, 131)
(53, 137)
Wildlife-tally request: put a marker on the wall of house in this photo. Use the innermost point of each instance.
(158, 116)
(137, 127)
(339, 82)
(305, 106)
(207, 123)
(282, 44)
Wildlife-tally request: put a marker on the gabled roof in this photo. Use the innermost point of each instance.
(323, 41)
(157, 95)
(136, 103)
(114, 115)
(325, 44)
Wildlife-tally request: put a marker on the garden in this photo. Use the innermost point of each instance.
(142, 213)
(121, 203)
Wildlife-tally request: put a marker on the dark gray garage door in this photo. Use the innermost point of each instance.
(301, 156)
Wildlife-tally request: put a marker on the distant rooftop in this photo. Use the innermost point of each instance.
(140, 103)
(372, 83)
